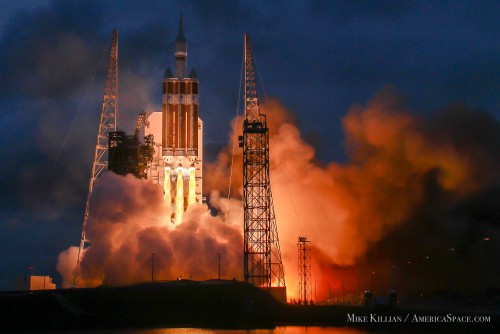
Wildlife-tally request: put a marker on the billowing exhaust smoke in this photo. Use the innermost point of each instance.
(409, 187)
(129, 222)
(399, 166)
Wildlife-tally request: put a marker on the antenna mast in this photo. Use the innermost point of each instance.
(262, 255)
(106, 125)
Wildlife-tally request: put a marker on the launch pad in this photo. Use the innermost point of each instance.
(171, 155)
(204, 304)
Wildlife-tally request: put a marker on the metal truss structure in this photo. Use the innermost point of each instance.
(263, 266)
(305, 287)
(106, 125)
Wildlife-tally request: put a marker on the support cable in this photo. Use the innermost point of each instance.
(72, 125)
(259, 75)
(235, 135)
(291, 200)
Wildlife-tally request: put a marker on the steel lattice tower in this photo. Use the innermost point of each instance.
(305, 287)
(262, 256)
(106, 125)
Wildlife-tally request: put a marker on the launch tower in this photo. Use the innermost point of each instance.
(262, 256)
(107, 124)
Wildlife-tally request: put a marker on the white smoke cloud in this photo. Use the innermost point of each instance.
(129, 222)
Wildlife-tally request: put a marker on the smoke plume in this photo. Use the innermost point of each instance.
(399, 167)
(410, 186)
(131, 238)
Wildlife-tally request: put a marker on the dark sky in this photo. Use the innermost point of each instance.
(317, 57)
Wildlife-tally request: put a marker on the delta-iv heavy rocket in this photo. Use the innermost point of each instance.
(177, 165)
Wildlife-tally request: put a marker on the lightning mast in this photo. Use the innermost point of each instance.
(106, 125)
(262, 256)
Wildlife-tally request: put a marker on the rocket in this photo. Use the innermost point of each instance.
(181, 133)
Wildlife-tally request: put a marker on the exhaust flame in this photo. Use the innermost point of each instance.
(166, 187)
(192, 186)
(179, 198)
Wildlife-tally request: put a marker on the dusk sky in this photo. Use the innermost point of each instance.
(318, 58)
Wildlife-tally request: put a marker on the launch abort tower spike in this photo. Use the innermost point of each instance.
(106, 125)
(262, 256)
